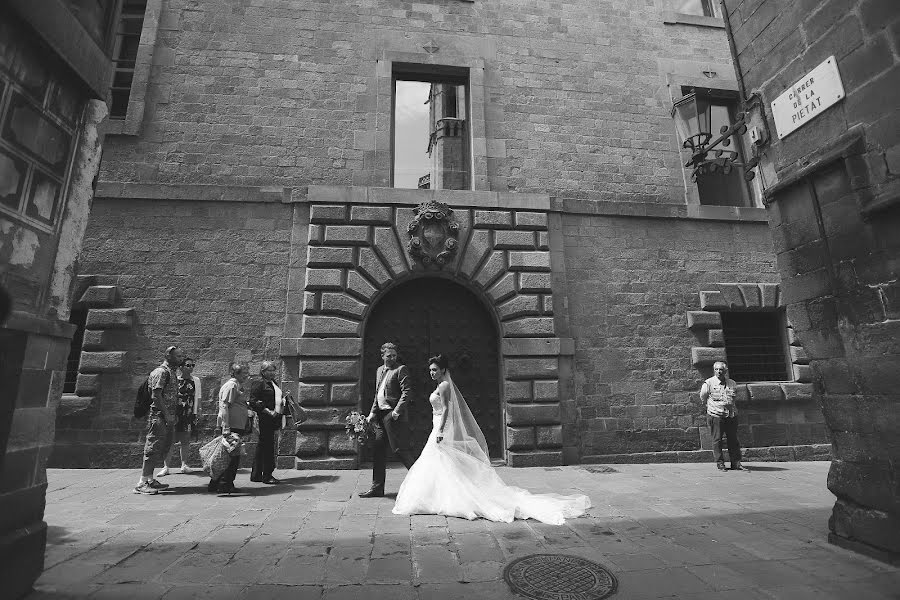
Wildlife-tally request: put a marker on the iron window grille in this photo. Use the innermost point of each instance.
(755, 346)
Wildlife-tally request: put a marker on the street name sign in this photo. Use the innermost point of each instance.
(808, 98)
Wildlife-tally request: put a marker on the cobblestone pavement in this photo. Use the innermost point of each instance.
(673, 530)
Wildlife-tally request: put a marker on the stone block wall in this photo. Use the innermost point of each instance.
(635, 289)
(209, 276)
(834, 203)
(263, 94)
(778, 44)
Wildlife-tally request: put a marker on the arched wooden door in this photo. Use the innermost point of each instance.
(428, 316)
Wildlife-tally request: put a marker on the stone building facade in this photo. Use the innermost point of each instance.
(245, 210)
(54, 73)
(833, 195)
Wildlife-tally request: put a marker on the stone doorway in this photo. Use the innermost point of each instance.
(426, 316)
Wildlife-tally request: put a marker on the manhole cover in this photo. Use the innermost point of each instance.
(559, 577)
(599, 469)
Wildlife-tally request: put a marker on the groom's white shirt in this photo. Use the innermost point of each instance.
(380, 397)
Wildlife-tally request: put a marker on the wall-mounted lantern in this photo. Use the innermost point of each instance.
(693, 119)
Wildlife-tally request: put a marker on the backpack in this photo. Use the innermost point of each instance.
(143, 399)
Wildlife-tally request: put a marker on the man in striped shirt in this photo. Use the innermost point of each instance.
(721, 415)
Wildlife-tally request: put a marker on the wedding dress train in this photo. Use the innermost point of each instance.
(454, 477)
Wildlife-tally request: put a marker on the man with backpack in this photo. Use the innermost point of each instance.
(163, 387)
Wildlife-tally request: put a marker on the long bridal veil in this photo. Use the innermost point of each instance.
(454, 477)
(461, 431)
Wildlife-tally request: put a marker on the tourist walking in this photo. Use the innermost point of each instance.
(163, 386)
(721, 415)
(233, 418)
(187, 411)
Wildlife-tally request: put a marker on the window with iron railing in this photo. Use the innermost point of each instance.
(755, 346)
(128, 39)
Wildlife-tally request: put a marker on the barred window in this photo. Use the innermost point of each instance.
(128, 38)
(755, 346)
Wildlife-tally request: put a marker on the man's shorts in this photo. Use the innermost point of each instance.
(159, 437)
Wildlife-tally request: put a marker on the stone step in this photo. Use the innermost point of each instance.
(110, 318)
(100, 296)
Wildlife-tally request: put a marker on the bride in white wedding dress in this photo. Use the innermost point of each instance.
(453, 476)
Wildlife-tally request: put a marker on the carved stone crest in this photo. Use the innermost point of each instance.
(433, 234)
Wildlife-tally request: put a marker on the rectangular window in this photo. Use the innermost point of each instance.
(37, 134)
(430, 128)
(722, 187)
(702, 8)
(128, 38)
(755, 346)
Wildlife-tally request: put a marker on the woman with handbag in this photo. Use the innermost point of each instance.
(233, 420)
(269, 402)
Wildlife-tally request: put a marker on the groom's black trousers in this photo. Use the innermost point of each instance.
(393, 434)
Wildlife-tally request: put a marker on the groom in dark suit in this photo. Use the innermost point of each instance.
(388, 416)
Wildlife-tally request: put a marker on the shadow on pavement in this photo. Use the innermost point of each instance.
(59, 535)
(761, 468)
(245, 487)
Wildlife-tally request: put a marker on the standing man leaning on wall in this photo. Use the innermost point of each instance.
(163, 386)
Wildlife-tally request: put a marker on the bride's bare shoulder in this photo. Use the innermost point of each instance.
(443, 386)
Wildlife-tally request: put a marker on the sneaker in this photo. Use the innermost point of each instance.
(721, 466)
(145, 488)
(212, 486)
(156, 485)
(163, 472)
(186, 469)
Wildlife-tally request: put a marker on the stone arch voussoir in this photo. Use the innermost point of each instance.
(357, 252)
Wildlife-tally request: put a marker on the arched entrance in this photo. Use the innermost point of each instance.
(427, 316)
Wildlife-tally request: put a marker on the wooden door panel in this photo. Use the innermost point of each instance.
(429, 316)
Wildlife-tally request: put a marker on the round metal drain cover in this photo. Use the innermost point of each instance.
(559, 577)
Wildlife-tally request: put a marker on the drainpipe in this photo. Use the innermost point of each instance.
(734, 54)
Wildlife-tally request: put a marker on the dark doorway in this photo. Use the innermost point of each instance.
(427, 316)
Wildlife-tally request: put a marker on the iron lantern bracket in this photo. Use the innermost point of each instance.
(707, 156)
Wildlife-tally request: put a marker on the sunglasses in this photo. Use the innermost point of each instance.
(188, 365)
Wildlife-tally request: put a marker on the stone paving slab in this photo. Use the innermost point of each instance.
(664, 531)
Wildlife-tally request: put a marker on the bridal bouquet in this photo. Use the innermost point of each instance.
(359, 429)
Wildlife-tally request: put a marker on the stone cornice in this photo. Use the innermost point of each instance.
(349, 194)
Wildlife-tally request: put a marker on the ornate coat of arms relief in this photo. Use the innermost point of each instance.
(432, 234)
